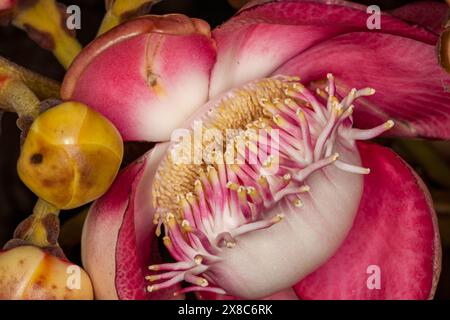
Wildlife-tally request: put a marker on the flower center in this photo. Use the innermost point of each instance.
(278, 133)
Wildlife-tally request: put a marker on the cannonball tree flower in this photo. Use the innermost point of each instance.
(317, 212)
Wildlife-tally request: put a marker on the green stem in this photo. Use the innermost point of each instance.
(42, 87)
(42, 227)
(15, 96)
(46, 24)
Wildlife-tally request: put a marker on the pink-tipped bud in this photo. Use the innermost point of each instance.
(146, 75)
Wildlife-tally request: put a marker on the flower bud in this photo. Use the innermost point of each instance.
(71, 155)
(30, 273)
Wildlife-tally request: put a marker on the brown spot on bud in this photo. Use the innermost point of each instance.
(51, 225)
(37, 158)
(26, 4)
(152, 79)
(42, 38)
(154, 83)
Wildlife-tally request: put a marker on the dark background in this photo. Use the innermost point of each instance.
(16, 202)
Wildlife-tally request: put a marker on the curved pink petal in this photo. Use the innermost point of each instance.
(262, 37)
(288, 294)
(146, 75)
(411, 87)
(395, 230)
(429, 14)
(119, 241)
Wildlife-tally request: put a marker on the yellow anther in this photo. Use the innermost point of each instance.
(389, 124)
(262, 180)
(189, 196)
(230, 244)
(298, 87)
(263, 101)
(186, 226)
(232, 186)
(242, 193)
(167, 242)
(269, 161)
(334, 100)
(202, 282)
(304, 188)
(198, 259)
(276, 118)
(251, 191)
(298, 203)
(170, 216)
(300, 114)
(338, 108)
(278, 218)
(235, 167)
(152, 278)
(288, 101)
(350, 109)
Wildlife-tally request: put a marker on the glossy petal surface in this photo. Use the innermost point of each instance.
(395, 230)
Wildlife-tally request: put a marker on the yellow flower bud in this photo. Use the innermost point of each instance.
(70, 156)
(30, 273)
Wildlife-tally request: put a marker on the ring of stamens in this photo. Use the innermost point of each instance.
(204, 208)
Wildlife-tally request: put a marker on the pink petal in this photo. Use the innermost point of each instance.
(395, 229)
(345, 3)
(411, 87)
(119, 241)
(7, 4)
(288, 294)
(429, 14)
(146, 76)
(262, 37)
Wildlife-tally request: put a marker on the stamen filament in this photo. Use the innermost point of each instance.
(367, 134)
(351, 168)
(256, 225)
(304, 173)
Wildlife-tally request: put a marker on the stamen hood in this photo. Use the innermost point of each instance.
(253, 216)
